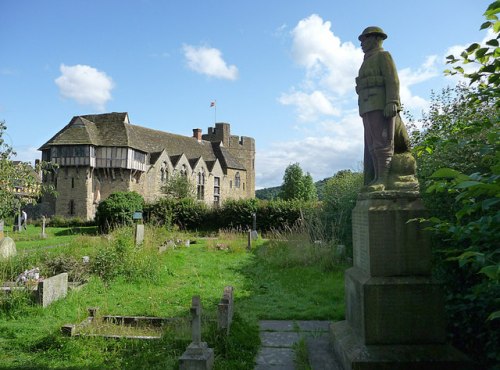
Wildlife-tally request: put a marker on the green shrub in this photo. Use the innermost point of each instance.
(118, 209)
(187, 213)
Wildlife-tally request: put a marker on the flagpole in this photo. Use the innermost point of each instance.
(215, 112)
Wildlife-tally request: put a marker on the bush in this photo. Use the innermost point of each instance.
(117, 210)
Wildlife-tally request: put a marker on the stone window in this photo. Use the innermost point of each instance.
(71, 207)
(216, 191)
(237, 180)
(72, 183)
(201, 185)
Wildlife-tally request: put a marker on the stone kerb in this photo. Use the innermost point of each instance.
(225, 310)
(197, 355)
(52, 289)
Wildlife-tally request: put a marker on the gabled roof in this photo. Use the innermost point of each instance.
(114, 129)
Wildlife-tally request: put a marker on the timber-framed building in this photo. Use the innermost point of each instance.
(97, 155)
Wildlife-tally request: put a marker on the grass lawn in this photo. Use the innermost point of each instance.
(30, 336)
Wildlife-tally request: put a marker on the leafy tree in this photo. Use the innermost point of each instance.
(21, 175)
(296, 185)
(310, 191)
(178, 187)
(459, 162)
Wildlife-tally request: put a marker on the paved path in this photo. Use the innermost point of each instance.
(277, 340)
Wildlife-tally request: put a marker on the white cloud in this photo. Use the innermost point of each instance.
(209, 61)
(332, 64)
(338, 146)
(309, 106)
(86, 85)
(330, 69)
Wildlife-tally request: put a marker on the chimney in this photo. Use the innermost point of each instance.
(197, 133)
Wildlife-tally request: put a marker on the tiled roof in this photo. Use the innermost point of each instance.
(113, 129)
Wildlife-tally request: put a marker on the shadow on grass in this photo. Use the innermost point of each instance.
(83, 230)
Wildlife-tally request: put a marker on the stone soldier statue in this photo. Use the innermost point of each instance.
(377, 86)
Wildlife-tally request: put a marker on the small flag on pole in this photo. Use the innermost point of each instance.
(214, 105)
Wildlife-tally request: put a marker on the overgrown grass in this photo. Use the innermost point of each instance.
(154, 284)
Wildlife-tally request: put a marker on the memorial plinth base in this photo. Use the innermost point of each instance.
(353, 354)
(197, 357)
(394, 309)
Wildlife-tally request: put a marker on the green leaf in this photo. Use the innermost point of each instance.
(488, 203)
(492, 271)
(485, 25)
(472, 47)
(496, 27)
(481, 52)
(467, 184)
(494, 315)
(492, 42)
(447, 173)
(493, 8)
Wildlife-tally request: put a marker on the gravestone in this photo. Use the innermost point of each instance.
(197, 356)
(1, 229)
(139, 234)
(7, 248)
(225, 310)
(394, 308)
(52, 289)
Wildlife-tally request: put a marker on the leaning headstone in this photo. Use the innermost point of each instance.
(52, 289)
(7, 248)
(225, 310)
(139, 234)
(197, 356)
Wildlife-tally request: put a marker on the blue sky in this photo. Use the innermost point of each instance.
(281, 71)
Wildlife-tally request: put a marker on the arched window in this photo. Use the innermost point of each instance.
(237, 180)
(183, 170)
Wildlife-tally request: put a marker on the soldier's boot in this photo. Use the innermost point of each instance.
(382, 165)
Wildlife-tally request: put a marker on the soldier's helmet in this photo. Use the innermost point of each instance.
(372, 30)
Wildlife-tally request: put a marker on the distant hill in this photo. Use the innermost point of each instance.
(273, 192)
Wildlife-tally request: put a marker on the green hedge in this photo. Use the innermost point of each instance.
(233, 214)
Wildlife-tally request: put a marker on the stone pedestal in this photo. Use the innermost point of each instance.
(197, 357)
(394, 310)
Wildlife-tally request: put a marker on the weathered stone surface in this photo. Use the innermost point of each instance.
(394, 310)
(279, 339)
(52, 289)
(7, 248)
(139, 234)
(354, 354)
(197, 357)
(385, 242)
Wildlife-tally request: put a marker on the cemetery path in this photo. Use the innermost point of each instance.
(279, 336)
